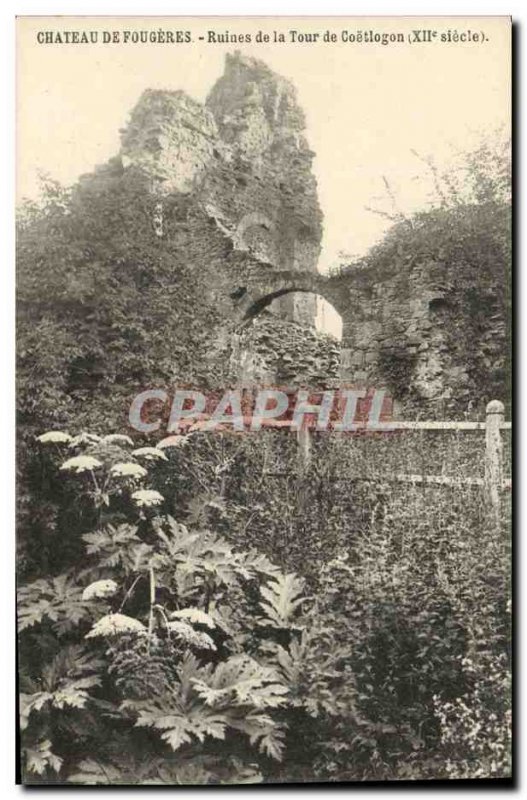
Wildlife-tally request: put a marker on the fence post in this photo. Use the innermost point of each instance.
(303, 438)
(494, 457)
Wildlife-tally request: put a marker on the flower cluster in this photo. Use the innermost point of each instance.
(87, 462)
(81, 464)
(147, 497)
(128, 470)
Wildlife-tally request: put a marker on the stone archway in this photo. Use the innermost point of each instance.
(267, 286)
(250, 304)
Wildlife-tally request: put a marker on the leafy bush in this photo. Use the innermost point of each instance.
(159, 643)
(154, 645)
(461, 242)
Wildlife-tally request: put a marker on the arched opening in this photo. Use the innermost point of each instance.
(268, 300)
(288, 336)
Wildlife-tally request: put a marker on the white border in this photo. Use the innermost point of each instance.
(8, 10)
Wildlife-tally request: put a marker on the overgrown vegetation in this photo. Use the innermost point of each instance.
(462, 242)
(210, 609)
(288, 353)
(159, 643)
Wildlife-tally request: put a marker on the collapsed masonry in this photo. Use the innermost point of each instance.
(244, 158)
(252, 231)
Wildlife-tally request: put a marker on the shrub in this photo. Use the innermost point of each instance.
(152, 643)
(207, 613)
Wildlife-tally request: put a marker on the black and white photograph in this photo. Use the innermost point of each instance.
(264, 400)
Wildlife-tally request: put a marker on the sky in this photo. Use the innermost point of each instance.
(367, 106)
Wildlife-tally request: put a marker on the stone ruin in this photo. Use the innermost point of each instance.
(243, 161)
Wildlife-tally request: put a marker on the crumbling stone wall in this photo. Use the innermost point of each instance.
(427, 312)
(275, 351)
(432, 333)
(235, 198)
(244, 159)
(273, 196)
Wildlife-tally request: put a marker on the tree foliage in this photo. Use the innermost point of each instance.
(462, 243)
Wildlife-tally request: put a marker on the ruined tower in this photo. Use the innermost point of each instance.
(244, 158)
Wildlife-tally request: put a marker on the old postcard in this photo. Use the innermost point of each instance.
(264, 404)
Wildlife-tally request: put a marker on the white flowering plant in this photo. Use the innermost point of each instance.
(204, 659)
(154, 626)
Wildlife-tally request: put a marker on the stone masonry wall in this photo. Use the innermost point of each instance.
(244, 159)
(251, 232)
